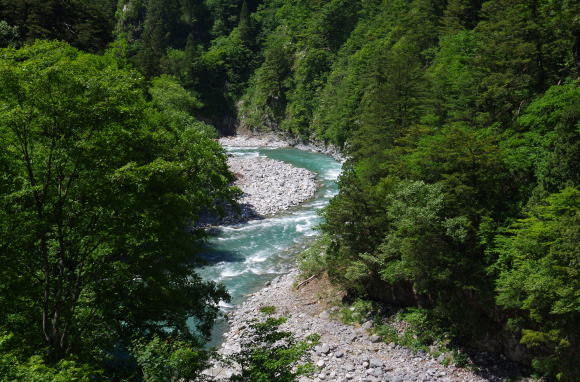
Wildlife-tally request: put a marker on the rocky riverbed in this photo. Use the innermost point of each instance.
(275, 142)
(345, 353)
(269, 141)
(270, 186)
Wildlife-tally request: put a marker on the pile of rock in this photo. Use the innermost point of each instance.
(269, 141)
(345, 353)
(270, 186)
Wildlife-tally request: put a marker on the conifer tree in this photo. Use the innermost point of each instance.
(460, 14)
(244, 23)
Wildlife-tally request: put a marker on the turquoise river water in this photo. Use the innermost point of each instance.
(244, 257)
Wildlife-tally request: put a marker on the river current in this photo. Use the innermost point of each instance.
(244, 257)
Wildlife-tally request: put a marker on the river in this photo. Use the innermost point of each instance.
(244, 257)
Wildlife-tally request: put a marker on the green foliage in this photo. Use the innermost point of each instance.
(311, 261)
(8, 34)
(265, 102)
(85, 24)
(458, 117)
(228, 63)
(176, 107)
(15, 369)
(387, 333)
(537, 268)
(452, 79)
(548, 148)
(196, 42)
(423, 329)
(356, 313)
(412, 249)
(455, 115)
(298, 54)
(268, 310)
(161, 360)
(97, 192)
(226, 14)
(273, 355)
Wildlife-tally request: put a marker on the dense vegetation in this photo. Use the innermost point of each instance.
(106, 167)
(98, 187)
(460, 119)
(461, 122)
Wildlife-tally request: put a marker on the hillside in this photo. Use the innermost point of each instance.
(459, 202)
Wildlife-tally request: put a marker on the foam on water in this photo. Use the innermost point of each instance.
(225, 305)
(228, 272)
(332, 174)
(257, 257)
(301, 228)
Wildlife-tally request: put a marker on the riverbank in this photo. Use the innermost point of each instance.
(245, 256)
(345, 352)
(276, 141)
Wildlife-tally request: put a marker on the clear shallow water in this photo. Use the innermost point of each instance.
(244, 257)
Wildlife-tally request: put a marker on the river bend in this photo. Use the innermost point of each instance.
(245, 256)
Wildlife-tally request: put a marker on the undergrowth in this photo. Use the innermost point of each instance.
(312, 261)
(417, 329)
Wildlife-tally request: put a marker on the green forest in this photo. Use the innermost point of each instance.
(460, 195)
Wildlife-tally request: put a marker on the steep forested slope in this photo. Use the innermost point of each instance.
(460, 118)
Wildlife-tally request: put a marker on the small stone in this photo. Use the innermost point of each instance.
(378, 372)
(324, 315)
(375, 339)
(320, 363)
(324, 348)
(376, 362)
(339, 354)
(365, 364)
(367, 325)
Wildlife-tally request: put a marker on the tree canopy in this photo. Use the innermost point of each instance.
(99, 194)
